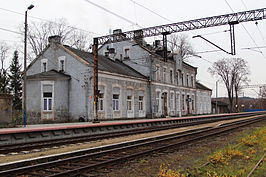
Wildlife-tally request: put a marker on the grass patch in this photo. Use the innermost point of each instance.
(232, 161)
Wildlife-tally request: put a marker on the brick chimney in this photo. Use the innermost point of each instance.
(54, 39)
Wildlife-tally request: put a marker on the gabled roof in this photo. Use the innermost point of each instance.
(106, 64)
(52, 74)
(202, 87)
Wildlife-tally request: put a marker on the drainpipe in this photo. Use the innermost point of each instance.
(150, 85)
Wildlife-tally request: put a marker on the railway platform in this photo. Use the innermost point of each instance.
(44, 132)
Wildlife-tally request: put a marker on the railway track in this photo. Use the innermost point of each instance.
(92, 162)
(7, 149)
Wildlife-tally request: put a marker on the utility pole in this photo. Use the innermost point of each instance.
(95, 80)
(216, 103)
(25, 67)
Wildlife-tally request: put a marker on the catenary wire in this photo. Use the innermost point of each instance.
(247, 32)
(42, 19)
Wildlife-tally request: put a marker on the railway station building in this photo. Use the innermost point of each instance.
(135, 81)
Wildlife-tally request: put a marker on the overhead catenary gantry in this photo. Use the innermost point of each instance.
(227, 19)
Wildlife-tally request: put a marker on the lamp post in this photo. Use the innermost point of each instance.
(25, 66)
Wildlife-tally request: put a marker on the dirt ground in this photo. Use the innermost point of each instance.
(185, 157)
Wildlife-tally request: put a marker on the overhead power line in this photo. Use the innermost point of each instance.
(42, 19)
(11, 31)
(113, 13)
(146, 8)
(247, 32)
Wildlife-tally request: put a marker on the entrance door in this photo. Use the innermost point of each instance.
(164, 101)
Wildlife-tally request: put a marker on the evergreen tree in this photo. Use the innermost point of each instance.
(16, 82)
(4, 81)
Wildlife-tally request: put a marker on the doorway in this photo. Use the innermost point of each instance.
(164, 104)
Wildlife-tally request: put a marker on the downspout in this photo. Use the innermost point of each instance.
(68, 99)
(150, 85)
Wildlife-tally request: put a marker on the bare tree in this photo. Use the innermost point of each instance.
(40, 31)
(3, 52)
(180, 44)
(3, 71)
(240, 72)
(233, 72)
(262, 92)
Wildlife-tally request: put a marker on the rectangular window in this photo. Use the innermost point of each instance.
(183, 102)
(172, 103)
(44, 66)
(157, 76)
(171, 76)
(192, 81)
(47, 101)
(177, 102)
(140, 103)
(126, 53)
(187, 80)
(192, 102)
(164, 74)
(62, 65)
(115, 102)
(177, 78)
(182, 79)
(100, 102)
(129, 103)
(157, 101)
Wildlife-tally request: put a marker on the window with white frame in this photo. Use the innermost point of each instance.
(116, 99)
(61, 63)
(141, 98)
(47, 101)
(100, 102)
(47, 96)
(44, 65)
(157, 101)
(116, 102)
(171, 77)
(172, 101)
(164, 74)
(129, 103)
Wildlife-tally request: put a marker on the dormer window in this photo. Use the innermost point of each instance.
(126, 53)
(61, 64)
(44, 65)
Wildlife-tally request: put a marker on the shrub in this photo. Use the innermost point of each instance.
(166, 172)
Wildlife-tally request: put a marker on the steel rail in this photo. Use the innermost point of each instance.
(5, 149)
(111, 154)
(257, 165)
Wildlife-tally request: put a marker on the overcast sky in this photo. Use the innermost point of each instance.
(97, 22)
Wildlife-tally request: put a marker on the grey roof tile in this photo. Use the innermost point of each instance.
(106, 64)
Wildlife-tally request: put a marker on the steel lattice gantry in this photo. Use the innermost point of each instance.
(253, 86)
(220, 20)
(228, 19)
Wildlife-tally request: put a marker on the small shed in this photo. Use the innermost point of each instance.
(6, 104)
(222, 107)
